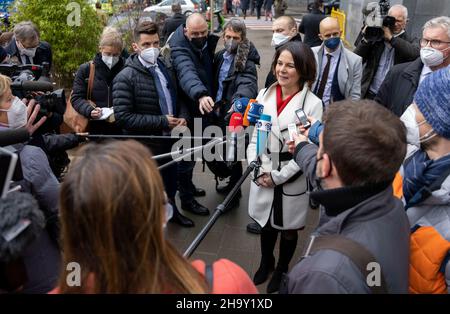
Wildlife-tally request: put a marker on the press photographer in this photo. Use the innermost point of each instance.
(383, 43)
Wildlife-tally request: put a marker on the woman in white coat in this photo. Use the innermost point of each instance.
(278, 200)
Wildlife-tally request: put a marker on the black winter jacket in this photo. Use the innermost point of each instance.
(136, 100)
(309, 26)
(172, 24)
(406, 50)
(271, 78)
(43, 53)
(101, 92)
(242, 79)
(194, 67)
(400, 85)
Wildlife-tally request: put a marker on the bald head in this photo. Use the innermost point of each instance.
(329, 23)
(196, 26)
(329, 28)
(196, 20)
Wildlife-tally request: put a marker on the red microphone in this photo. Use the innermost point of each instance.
(235, 127)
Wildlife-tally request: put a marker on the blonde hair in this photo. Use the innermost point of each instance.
(5, 86)
(112, 213)
(111, 37)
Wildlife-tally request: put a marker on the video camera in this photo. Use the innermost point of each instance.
(27, 79)
(376, 17)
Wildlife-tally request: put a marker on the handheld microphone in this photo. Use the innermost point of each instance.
(240, 105)
(263, 127)
(235, 127)
(13, 136)
(253, 112)
(32, 86)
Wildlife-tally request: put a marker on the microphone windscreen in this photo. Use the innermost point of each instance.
(21, 221)
(236, 121)
(240, 105)
(249, 105)
(13, 136)
(37, 86)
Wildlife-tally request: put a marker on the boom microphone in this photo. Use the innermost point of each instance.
(235, 127)
(33, 86)
(21, 221)
(13, 136)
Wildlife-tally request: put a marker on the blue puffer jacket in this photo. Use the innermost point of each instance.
(194, 67)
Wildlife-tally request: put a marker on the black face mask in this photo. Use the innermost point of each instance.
(199, 42)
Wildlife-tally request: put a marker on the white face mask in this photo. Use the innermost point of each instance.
(279, 39)
(432, 57)
(17, 114)
(412, 128)
(110, 61)
(30, 52)
(150, 55)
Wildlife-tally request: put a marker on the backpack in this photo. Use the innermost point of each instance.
(355, 251)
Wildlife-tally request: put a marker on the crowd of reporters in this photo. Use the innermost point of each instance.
(343, 162)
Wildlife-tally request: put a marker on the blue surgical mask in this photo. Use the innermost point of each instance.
(332, 43)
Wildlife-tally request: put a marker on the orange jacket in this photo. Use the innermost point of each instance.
(428, 251)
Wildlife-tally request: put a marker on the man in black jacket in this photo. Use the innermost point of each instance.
(235, 76)
(173, 22)
(379, 57)
(309, 25)
(145, 102)
(284, 30)
(26, 48)
(192, 54)
(398, 89)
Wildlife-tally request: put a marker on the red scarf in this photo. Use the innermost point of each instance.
(281, 104)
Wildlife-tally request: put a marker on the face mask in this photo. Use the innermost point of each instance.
(432, 57)
(150, 55)
(231, 46)
(199, 42)
(29, 52)
(110, 61)
(278, 39)
(412, 128)
(332, 43)
(17, 114)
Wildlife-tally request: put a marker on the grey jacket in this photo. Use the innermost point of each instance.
(378, 223)
(349, 74)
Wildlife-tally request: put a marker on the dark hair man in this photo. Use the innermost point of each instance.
(352, 179)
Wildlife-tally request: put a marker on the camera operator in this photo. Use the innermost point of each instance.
(38, 177)
(26, 47)
(395, 47)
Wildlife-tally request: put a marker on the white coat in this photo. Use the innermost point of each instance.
(295, 200)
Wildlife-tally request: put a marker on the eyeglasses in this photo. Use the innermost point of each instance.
(433, 43)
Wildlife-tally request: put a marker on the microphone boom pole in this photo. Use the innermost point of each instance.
(220, 209)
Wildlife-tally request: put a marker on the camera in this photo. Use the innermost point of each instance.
(376, 17)
(28, 79)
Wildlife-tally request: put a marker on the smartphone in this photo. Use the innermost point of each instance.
(8, 161)
(292, 128)
(301, 115)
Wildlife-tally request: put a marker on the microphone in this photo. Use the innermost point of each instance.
(21, 221)
(240, 105)
(13, 136)
(253, 112)
(235, 127)
(263, 127)
(32, 86)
